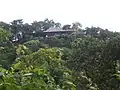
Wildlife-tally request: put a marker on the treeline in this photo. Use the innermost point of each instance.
(21, 32)
(87, 59)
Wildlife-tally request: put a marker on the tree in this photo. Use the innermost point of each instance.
(4, 35)
(34, 45)
(48, 24)
(94, 59)
(5, 26)
(42, 70)
(76, 26)
(38, 26)
(7, 56)
(84, 60)
(17, 29)
(65, 27)
(58, 25)
(93, 31)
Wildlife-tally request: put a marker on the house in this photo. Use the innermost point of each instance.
(58, 32)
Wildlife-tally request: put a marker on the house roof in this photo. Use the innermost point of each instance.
(58, 30)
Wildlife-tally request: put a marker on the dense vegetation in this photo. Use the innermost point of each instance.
(87, 59)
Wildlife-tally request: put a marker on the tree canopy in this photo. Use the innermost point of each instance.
(85, 59)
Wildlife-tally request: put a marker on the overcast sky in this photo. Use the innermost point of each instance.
(102, 13)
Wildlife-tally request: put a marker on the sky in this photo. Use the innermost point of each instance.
(98, 13)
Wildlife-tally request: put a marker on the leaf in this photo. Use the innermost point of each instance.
(28, 74)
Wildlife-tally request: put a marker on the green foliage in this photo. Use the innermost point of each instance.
(22, 50)
(42, 70)
(60, 41)
(4, 35)
(96, 60)
(7, 56)
(87, 59)
(34, 45)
